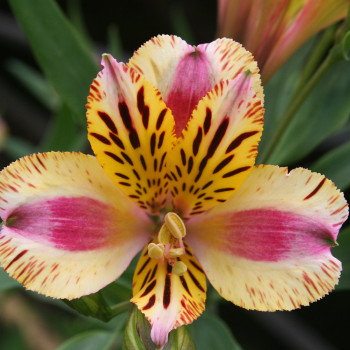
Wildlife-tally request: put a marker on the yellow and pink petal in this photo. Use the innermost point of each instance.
(218, 148)
(131, 131)
(272, 244)
(184, 74)
(68, 231)
(167, 299)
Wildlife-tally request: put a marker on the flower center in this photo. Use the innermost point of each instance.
(169, 244)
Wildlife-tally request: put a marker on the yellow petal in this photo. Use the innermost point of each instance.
(218, 148)
(131, 132)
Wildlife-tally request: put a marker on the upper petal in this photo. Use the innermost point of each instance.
(228, 59)
(68, 231)
(130, 131)
(271, 247)
(184, 73)
(218, 148)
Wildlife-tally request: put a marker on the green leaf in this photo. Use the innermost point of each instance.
(91, 305)
(63, 133)
(16, 147)
(76, 15)
(59, 49)
(341, 252)
(93, 340)
(324, 112)
(115, 47)
(137, 332)
(279, 90)
(180, 339)
(336, 166)
(210, 332)
(35, 83)
(116, 292)
(6, 282)
(97, 339)
(105, 304)
(346, 46)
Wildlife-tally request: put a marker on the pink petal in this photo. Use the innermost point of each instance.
(67, 223)
(191, 82)
(184, 73)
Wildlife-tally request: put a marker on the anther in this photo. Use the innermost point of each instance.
(155, 251)
(179, 268)
(164, 235)
(175, 225)
(176, 252)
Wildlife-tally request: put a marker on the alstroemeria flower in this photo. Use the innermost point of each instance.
(274, 29)
(175, 134)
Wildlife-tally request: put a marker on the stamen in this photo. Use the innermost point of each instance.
(155, 251)
(176, 252)
(169, 244)
(175, 225)
(179, 268)
(164, 235)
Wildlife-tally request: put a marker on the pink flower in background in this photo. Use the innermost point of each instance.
(272, 30)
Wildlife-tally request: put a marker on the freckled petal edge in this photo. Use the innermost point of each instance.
(262, 282)
(61, 268)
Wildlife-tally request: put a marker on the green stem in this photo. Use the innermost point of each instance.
(121, 307)
(295, 105)
(318, 52)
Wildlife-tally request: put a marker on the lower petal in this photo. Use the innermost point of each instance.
(271, 248)
(168, 300)
(68, 231)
